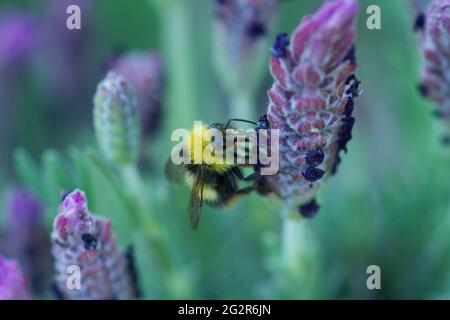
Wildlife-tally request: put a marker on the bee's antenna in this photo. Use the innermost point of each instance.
(239, 120)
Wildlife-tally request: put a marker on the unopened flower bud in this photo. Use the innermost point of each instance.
(116, 120)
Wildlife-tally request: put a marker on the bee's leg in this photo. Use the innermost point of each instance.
(255, 175)
(238, 120)
(246, 190)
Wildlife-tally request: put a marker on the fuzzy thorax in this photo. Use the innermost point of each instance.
(202, 146)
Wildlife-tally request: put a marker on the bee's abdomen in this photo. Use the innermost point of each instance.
(210, 194)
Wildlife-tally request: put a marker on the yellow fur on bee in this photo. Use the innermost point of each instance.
(209, 194)
(200, 148)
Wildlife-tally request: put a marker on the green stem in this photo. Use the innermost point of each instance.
(179, 53)
(242, 106)
(290, 242)
(296, 241)
(300, 268)
(133, 182)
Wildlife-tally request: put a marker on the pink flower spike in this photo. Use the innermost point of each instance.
(435, 73)
(312, 100)
(12, 283)
(85, 242)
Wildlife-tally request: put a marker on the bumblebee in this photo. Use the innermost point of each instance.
(212, 180)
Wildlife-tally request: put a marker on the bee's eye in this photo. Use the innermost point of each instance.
(90, 242)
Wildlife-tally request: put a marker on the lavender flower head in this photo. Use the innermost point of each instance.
(84, 240)
(144, 70)
(241, 26)
(312, 99)
(27, 237)
(12, 282)
(24, 208)
(17, 34)
(435, 73)
(63, 61)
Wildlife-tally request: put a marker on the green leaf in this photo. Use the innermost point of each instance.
(56, 178)
(27, 171)
(107, 198)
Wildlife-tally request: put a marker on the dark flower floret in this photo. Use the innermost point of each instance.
(345, 132)
(354, 88)
(315, 157)
(309, 209)
(419, 24)
(279, 47)
(256, 29)
(312, 174)
(64, 195)
(350, 56)
(423, 90)
(349, 107)
(90, 242)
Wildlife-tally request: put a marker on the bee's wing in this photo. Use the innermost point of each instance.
(174, 173)
(195, 204)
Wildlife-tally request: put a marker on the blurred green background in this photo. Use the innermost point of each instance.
(387, 206)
